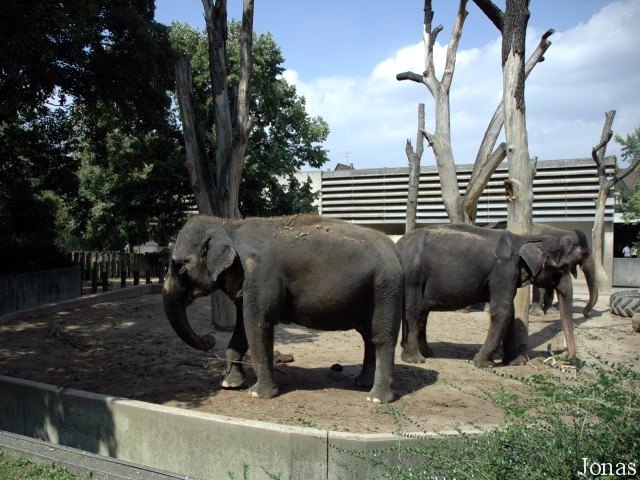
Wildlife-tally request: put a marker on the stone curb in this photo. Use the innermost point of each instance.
(198, 444)
(84, 301)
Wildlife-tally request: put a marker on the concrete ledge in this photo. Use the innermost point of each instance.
(84, 301)
(197, 444)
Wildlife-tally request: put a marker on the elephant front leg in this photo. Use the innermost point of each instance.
(537, 302)
(501, 315)
(548, 300)
(365, 379)
(260, 338)
(234, 377)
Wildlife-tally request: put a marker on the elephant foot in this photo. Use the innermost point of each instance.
(233, 379)
(587, 312)
(381, 395)
(264, 390)
(364, 380)
(483, 362)
(412, 357)
(518, 361)
(536, 310)
(551, 309)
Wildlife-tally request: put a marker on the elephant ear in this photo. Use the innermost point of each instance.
(533, 258)
(218, 252)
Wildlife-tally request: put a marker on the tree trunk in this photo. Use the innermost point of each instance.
(597, 233)
(414, 172)
(193, 132)
(520, 182)
(597, 240)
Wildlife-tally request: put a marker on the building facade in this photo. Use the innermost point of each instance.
(564, 193)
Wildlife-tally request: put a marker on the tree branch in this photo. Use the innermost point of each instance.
(492, 12)
(480, 179)
(244, 123)
(620, 176)
(414, 77)
(452, 49)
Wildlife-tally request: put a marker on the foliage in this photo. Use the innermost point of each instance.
(630, 198)
(19, 469)
(549, 430)
(285, 137)
(36, 179)
(70, 97)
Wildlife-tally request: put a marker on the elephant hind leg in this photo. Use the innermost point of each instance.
(414, 326)
(384, 336)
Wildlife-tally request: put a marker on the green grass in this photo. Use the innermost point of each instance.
(19, 469)
(550, 429)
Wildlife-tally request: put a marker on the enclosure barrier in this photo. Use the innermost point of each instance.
(98, 267)
(27, 290)
(198, 444)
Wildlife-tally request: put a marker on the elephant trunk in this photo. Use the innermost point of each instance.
(589, 269)
(175, 300)
(565, 305)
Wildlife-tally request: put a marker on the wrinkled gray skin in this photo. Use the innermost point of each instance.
(317, 272)
(449, 267)
(579, 254)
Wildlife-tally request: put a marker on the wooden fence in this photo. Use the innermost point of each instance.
(105, 265)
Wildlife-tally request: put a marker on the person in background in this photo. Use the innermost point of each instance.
(626, 251)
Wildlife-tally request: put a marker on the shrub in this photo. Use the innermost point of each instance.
(548, 432)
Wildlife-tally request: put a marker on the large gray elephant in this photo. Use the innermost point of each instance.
(317, 272)
(579, 253)
(449, 267)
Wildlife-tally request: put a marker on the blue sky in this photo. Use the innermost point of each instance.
(343, 57)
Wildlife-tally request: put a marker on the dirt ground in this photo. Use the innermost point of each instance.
(127, 348)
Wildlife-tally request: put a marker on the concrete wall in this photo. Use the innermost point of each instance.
(193, 443)
(626, 272)
(28, 290)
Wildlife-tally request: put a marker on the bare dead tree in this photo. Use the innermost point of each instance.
(461, 208)
(512, 23)
(217, 187)
(605, 184)
(414, 172)
(197, 162)
(440, 140)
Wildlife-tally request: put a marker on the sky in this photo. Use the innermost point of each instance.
(343, 57)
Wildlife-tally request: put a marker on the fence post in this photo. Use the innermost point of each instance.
(123, 273)
(105, 280)
(94, 278)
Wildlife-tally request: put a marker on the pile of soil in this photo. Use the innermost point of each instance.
(127, 348)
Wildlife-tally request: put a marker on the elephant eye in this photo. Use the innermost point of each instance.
(178, 266)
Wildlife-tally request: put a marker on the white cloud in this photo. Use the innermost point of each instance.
(589, 69)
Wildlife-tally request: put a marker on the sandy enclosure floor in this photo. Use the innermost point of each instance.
(127, 348)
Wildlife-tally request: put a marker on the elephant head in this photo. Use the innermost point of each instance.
(545, 263)
(578, 253)
(201, 262)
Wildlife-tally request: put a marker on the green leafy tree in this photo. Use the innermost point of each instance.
(285, 137)
(630, 197)
(78, 81)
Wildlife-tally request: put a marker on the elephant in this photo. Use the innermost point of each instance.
(316, 272)
(580, 254)
(449, 267)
